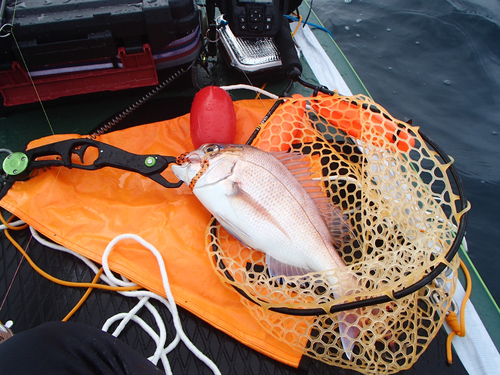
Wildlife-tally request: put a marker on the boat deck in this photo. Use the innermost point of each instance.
(29, 300)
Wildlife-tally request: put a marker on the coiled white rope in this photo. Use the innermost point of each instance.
(169, 302)
(143, 296)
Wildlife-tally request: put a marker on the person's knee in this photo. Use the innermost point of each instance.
(63, 348)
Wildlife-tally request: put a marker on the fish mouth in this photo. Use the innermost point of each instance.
(185, 159)
(180, 171)
(191, 166)
(182, 164)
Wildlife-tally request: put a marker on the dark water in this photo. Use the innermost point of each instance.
(438, 63)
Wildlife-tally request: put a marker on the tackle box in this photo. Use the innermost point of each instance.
(70, 47)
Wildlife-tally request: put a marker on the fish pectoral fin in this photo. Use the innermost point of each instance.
(277, 268)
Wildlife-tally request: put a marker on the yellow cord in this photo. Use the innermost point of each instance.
(63, 282)
(458, 327)
(6, 223)
(298, 25)
(84, 297)
(263, 87)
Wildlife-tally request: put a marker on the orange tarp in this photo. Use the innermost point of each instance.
(85, 210)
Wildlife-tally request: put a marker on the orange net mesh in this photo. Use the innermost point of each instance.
(403, 215)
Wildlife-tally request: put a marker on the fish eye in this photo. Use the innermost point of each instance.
(212, 149)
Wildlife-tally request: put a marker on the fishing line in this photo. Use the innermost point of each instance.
(11, 283)
(27, 70)
(46, 117)
(253, 86)
(11, 32)
(53, 184)
(17, 225)
(32, 82)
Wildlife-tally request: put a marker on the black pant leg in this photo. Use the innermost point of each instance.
(70, 348)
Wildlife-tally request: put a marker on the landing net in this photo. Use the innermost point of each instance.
(405, 210)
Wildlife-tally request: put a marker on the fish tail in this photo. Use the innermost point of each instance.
(349, 331)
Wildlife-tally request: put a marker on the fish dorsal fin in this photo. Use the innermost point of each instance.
(277, 268)
(335, 220)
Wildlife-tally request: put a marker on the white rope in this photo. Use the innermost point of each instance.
(55, 246)
(159, 339)
(170, 302)
(16, 223)
(251, 88)
(140, 294)
(159, 354)
(152, 334)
